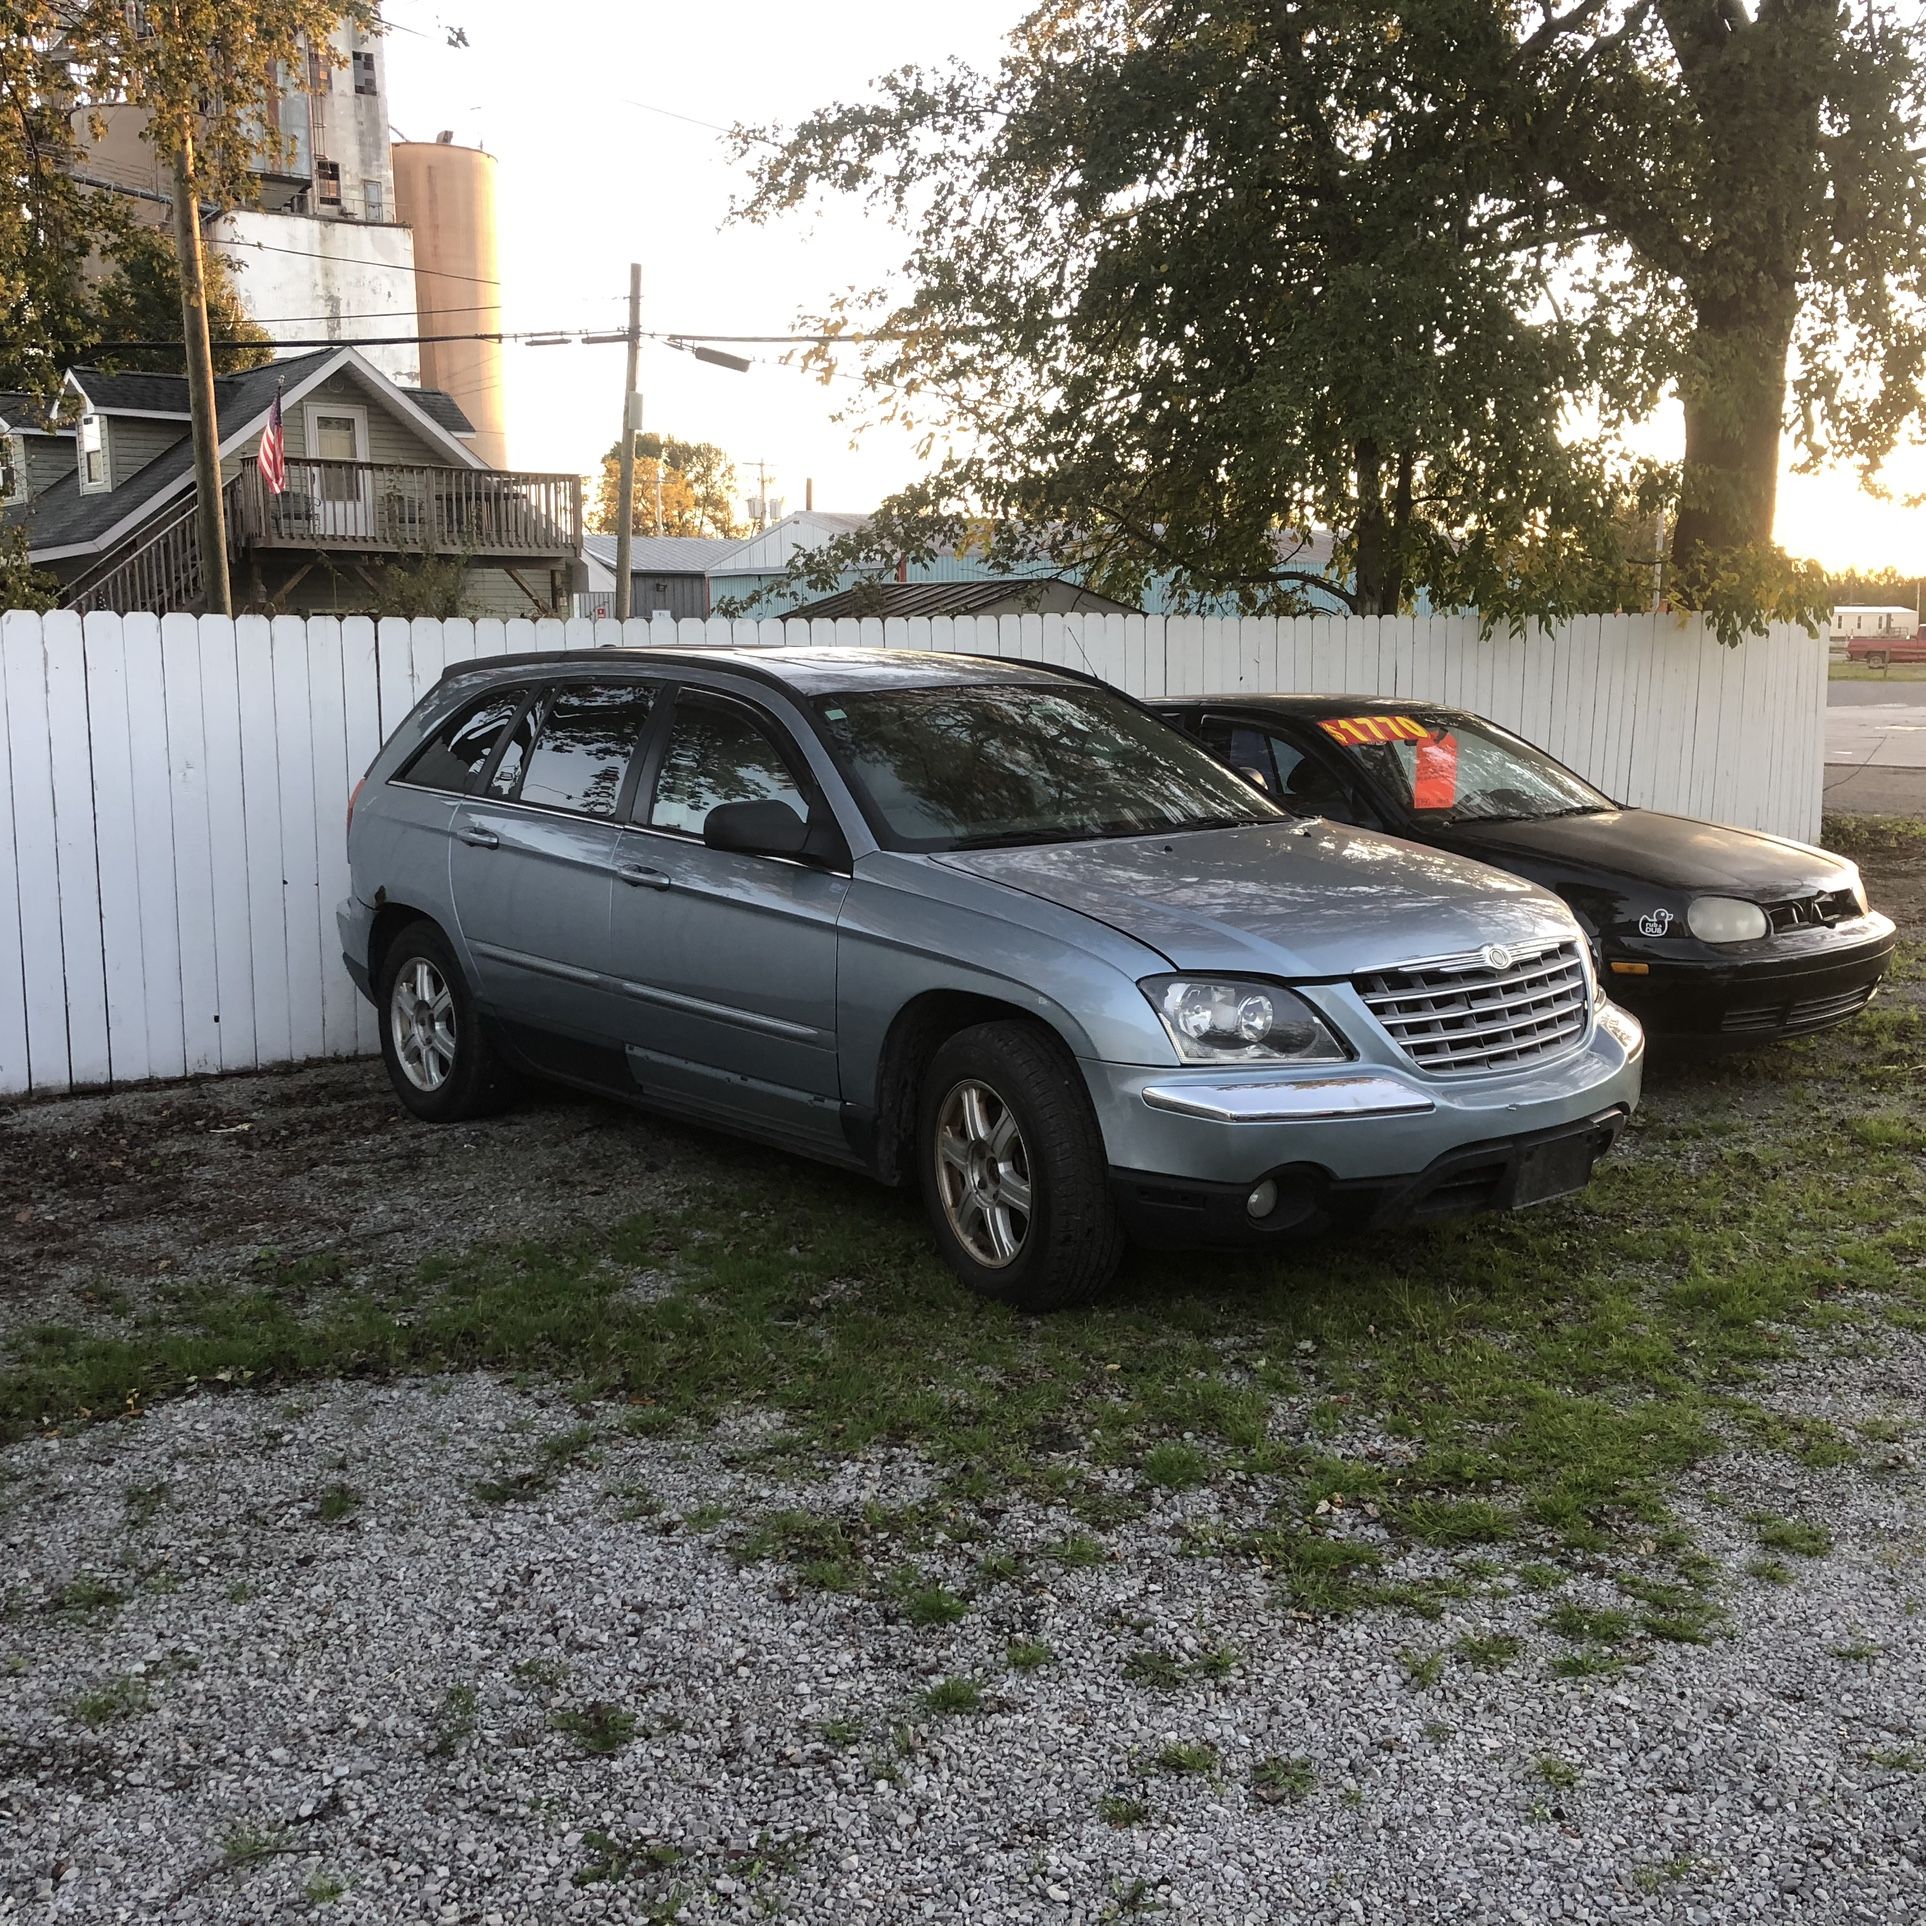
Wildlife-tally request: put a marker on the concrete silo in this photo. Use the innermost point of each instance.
(447, 195)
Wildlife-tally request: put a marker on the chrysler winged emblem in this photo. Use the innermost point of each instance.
(1655, 922)
(1495, 956)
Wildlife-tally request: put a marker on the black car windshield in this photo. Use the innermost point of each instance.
(1448, 768)
(981, 765)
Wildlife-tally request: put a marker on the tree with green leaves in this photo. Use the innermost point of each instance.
(200, 73)
(697, 492)
(1182, 279)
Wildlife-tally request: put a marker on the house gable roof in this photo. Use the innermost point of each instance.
(666, 554)
(950, 598)
(162, 395)
(62, 521)
(444, 408)
(24, 414)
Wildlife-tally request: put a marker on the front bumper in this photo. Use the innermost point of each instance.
(1785, 986)
(1354, 1141)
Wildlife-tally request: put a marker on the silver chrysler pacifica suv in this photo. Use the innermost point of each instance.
(975, 924)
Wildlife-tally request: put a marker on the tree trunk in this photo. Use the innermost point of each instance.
(1381, 556)
(1734, 398)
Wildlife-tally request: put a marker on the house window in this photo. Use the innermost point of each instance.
(13, 470)
(327, 180)
(320, 72)
(372, 201)
(96, 477)
(364, 73)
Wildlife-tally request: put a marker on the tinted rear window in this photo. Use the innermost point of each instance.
(587, 734)
(459, 750)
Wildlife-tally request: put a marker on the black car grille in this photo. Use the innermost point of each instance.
(1809, 1013)
(1465, 1014)
(1811, 912)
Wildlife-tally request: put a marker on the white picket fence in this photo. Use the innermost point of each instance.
(173, 789)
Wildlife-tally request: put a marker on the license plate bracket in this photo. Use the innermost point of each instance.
(1555, 1169)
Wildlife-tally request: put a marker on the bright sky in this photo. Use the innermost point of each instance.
(590, 178)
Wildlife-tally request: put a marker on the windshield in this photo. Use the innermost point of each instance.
(966, 768)
(1447, 768)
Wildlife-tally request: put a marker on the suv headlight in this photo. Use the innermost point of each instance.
(1725, 919)
(1212, 1019)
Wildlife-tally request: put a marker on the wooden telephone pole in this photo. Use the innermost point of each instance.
(211, 515)
(631, 426)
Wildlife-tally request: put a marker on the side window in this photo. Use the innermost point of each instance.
(1244, 748)
(588, 732)
(459, 751)
(718, 754)
(1307, 785)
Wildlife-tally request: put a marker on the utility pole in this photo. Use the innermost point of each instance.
(631, 427)
(210, 514)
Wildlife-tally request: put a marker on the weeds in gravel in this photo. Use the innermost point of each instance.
(597, 1728)
(1769, 1571)
(323, 1889)
(143, 1503)
(453, 1723)
(1560, 1774)
(1902, 1759)
(124, 1697)
(930, 1604)
(1790, 1535)
(1548, 1376)
(1027, 1654)
(1188, 1756)
(244, 1846)
(1489, 1652)
(1277, 1781)
(949, 1696)
(841, 1732)
(1422, 1670)
(617, 1859)
(86, 1596)
(1122, 1809)
(337, 1504)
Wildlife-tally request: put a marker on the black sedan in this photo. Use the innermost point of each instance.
(1701, 931)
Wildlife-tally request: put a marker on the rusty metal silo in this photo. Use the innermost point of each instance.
(447, 195)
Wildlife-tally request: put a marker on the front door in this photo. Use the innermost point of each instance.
(340, 486)
(724, 965)
(530, 867)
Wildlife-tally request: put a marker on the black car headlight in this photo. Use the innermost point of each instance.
(1216, 1019)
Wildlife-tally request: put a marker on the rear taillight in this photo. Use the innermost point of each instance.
(354, 796)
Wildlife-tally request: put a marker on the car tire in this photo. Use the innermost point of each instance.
(1013, 1169)
(439, 1058)
(1877, 658)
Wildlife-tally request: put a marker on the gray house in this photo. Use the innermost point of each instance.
(668, 574)
(379, 478)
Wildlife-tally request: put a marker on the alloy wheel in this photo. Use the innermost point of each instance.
(421, 1019)
(983, 1174)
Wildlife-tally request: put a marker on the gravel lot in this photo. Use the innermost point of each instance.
(370, 1702)
(461, 1650)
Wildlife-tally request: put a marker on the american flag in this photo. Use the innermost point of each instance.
(274, 450)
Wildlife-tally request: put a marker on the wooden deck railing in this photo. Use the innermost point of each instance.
(157, 568)
(410, 509)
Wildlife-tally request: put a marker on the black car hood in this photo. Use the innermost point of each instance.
(1647, 846)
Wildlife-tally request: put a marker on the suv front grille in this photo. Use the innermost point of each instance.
(1462, 1014)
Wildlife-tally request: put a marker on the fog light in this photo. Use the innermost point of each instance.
(1263, 1200)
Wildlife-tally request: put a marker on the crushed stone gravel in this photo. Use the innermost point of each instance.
(272, 1658)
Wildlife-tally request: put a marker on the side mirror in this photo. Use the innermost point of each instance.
(768, 828)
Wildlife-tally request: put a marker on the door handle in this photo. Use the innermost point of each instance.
(638, 877)
(476, 837)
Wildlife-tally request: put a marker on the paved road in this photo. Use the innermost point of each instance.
(1899, 691)
(1876, 747)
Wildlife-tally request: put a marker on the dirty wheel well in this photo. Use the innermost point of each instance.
(390, 920)
(920, 1028)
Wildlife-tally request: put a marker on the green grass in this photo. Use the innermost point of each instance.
(1122, 1809)
(1489, 1652)
(1790, 1535)
(337, 1504)
(597, 1728)
(1188, 1757)
(1027, 1654)
(1553, 1373)
(1853, 834)
(1277, 1780)
(1560, 1774)
(953, 1696)
(1422, 1670)
(116, 1699)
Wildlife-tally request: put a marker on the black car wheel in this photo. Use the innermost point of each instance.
(1014, 1174)
(438, 1056)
